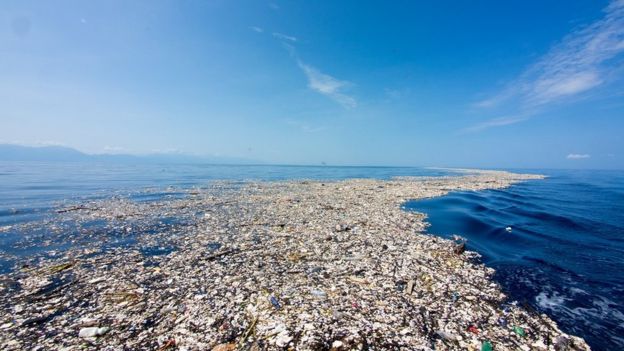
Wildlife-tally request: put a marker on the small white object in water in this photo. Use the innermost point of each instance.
(337, 344)
(318, 293)
(92, 332)
(508, 229)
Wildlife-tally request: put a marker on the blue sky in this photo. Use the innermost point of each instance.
(438, 83)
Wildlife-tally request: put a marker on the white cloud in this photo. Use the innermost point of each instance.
(546, 90)
(318, 81)
(284, 37)
(578, 63)
(328, 85)
(256, 29)
(582, 61)
(495, 122)
(577, 156)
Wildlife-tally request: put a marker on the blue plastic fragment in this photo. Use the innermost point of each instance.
(274, 302)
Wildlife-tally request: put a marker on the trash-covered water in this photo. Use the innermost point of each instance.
(563, 255)
(31, 187)
(557, 244)
(268, 265)
(31, 193)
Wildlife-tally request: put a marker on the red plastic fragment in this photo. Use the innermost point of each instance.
(473, 329)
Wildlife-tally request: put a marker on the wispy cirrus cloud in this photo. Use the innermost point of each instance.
(495, 122)
(257, 29)
(577, 156)
(327, 85)
(318, 81)
(582, 61)
(284, 37)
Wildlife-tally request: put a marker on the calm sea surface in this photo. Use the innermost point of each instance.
(564, 255)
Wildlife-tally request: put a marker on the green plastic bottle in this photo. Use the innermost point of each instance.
(486, 346)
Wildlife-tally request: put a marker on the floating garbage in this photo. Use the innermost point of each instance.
(274, 302)
(473, 329)
(447, 336)
(224, 347)
(508, 229)
(169, 344)
(459, 248)
(486, 346)
(318, 293)
(410, 286)
(262, 266)
(93, 332)
(400, 285)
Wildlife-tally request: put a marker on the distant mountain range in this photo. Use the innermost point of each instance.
(12, 152)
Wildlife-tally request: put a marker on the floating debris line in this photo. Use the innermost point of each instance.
(304, 265)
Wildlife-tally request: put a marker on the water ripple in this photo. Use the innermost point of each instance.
(564, 255)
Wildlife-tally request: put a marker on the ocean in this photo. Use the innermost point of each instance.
(563, 254)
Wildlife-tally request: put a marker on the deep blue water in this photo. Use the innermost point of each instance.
(564, 255)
